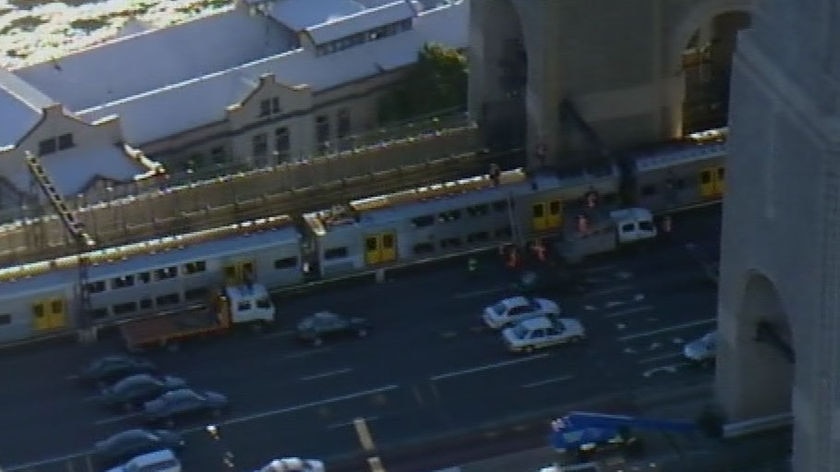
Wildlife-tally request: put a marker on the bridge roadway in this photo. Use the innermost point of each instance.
(428, 368)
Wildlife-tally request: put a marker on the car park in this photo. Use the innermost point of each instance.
(182, 404)
(157, 461)
(317, 328)
(293, 464)
(124, 446)
(112, 368)
(134, 390)
(514, 309)
(702, 350)
(541, 332)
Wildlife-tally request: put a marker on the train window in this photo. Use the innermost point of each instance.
(478, 210)
(648, 190)
(449, 243)
(478, 237)
(39, 310)
(5, 319)
(627, 228)
(166, 273)
(99, 313)
(122, 282)
(504, 232)
(285, 263)
(195, 267)
(96, 287)
(144, 277)
(146, 304)
(424, 248)
(198, 293)
(264, 303)
(124, 308)
(422, 221)
(335, 253)
(500, 205)
(451, 215)
(705, 177)
(168, 299)
(243, 305)
(370, 243)
(538, 210)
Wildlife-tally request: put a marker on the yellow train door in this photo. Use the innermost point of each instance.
(539, 217)
(720, 181)
(546, 215)
(49, 314)
(707, 183)
(40, 319)
(555, 214)
(380, 248)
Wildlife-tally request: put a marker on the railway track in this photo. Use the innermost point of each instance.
(246, 197)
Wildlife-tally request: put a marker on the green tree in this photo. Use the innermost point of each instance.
(437, 81)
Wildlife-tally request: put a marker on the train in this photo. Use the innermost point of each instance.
(366, 235)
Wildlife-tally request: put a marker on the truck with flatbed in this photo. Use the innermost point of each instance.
(247, 304)
(604, 233)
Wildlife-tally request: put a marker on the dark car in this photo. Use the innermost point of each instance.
(135, 390)
(183, 403)
(123, 446)
(109, 369)
(323, 325)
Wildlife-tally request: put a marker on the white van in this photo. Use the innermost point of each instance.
(158, 461)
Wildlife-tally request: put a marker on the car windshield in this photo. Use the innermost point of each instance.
(520, 331)
(132, 381)
(179, 395)
(499, 309)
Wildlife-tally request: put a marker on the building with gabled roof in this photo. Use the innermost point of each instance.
(261, 83)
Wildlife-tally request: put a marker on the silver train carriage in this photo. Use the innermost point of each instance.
(434, 221)
(148, 277)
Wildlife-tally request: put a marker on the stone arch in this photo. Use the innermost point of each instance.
(502, 75)
(757, 360)
(691, 87)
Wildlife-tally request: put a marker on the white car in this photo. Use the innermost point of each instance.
(293, 464)
(158, 461)
(515, 309)
(701, 351)
(540, 332)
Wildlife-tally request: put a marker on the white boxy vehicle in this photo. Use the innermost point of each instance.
(514, 309)
(158, 461)
(293, 464)
(541, 332)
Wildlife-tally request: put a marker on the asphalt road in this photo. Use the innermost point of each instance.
(429, 366)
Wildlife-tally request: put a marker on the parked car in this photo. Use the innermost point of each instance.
(109, 369)
(541, 332)
(702, 350)
(317, 328)
(158, 461)
(183, 403)
(514, 309)
(122, 447)
(135, 390)
(293, 464)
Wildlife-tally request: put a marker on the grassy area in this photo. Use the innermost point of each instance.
(26, 23)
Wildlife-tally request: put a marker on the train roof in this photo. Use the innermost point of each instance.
(151, 254)
(679, 154)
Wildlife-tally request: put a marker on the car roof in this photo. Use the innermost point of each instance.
(518, 300)
(154, 457)
(539, 322)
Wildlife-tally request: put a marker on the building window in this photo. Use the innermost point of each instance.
(322, 130)
(275, 105)
(269, 106)
(265, 108)
(166, 273)
(166, 300)
(260, 144)
(285, 263)
(218, 155)
(335, 253)
(194, 267)
(282, 144)
(343, 123)
(5, 319)
(46, 146)
(65, 141)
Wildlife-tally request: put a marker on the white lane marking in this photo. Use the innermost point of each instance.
(287, 333)
(607, 291)
(117, 419)
(351, 422)
(660, 358)
(595, 270)
(478, 293)
(487, 367)
(327, 374)
(548, 381)
(302, 354)
(629, 311)
(32, 465)
(671, 369)
(302, 406)
(630, 337)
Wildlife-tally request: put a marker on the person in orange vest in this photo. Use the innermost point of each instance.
(583, 224)
(513, 258)
(539, 250)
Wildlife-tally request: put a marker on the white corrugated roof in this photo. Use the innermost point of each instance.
(20, 108)
(153, 59)
(360, 22)
(302, 14)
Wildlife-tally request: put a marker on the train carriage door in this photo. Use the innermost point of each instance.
(57, 314)
(555, 214)
(539, 219)
(707, 183)
(389, 247)
(720, 181)
(40, 318)
(380, 248)
(372, 251)
(240, 272)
